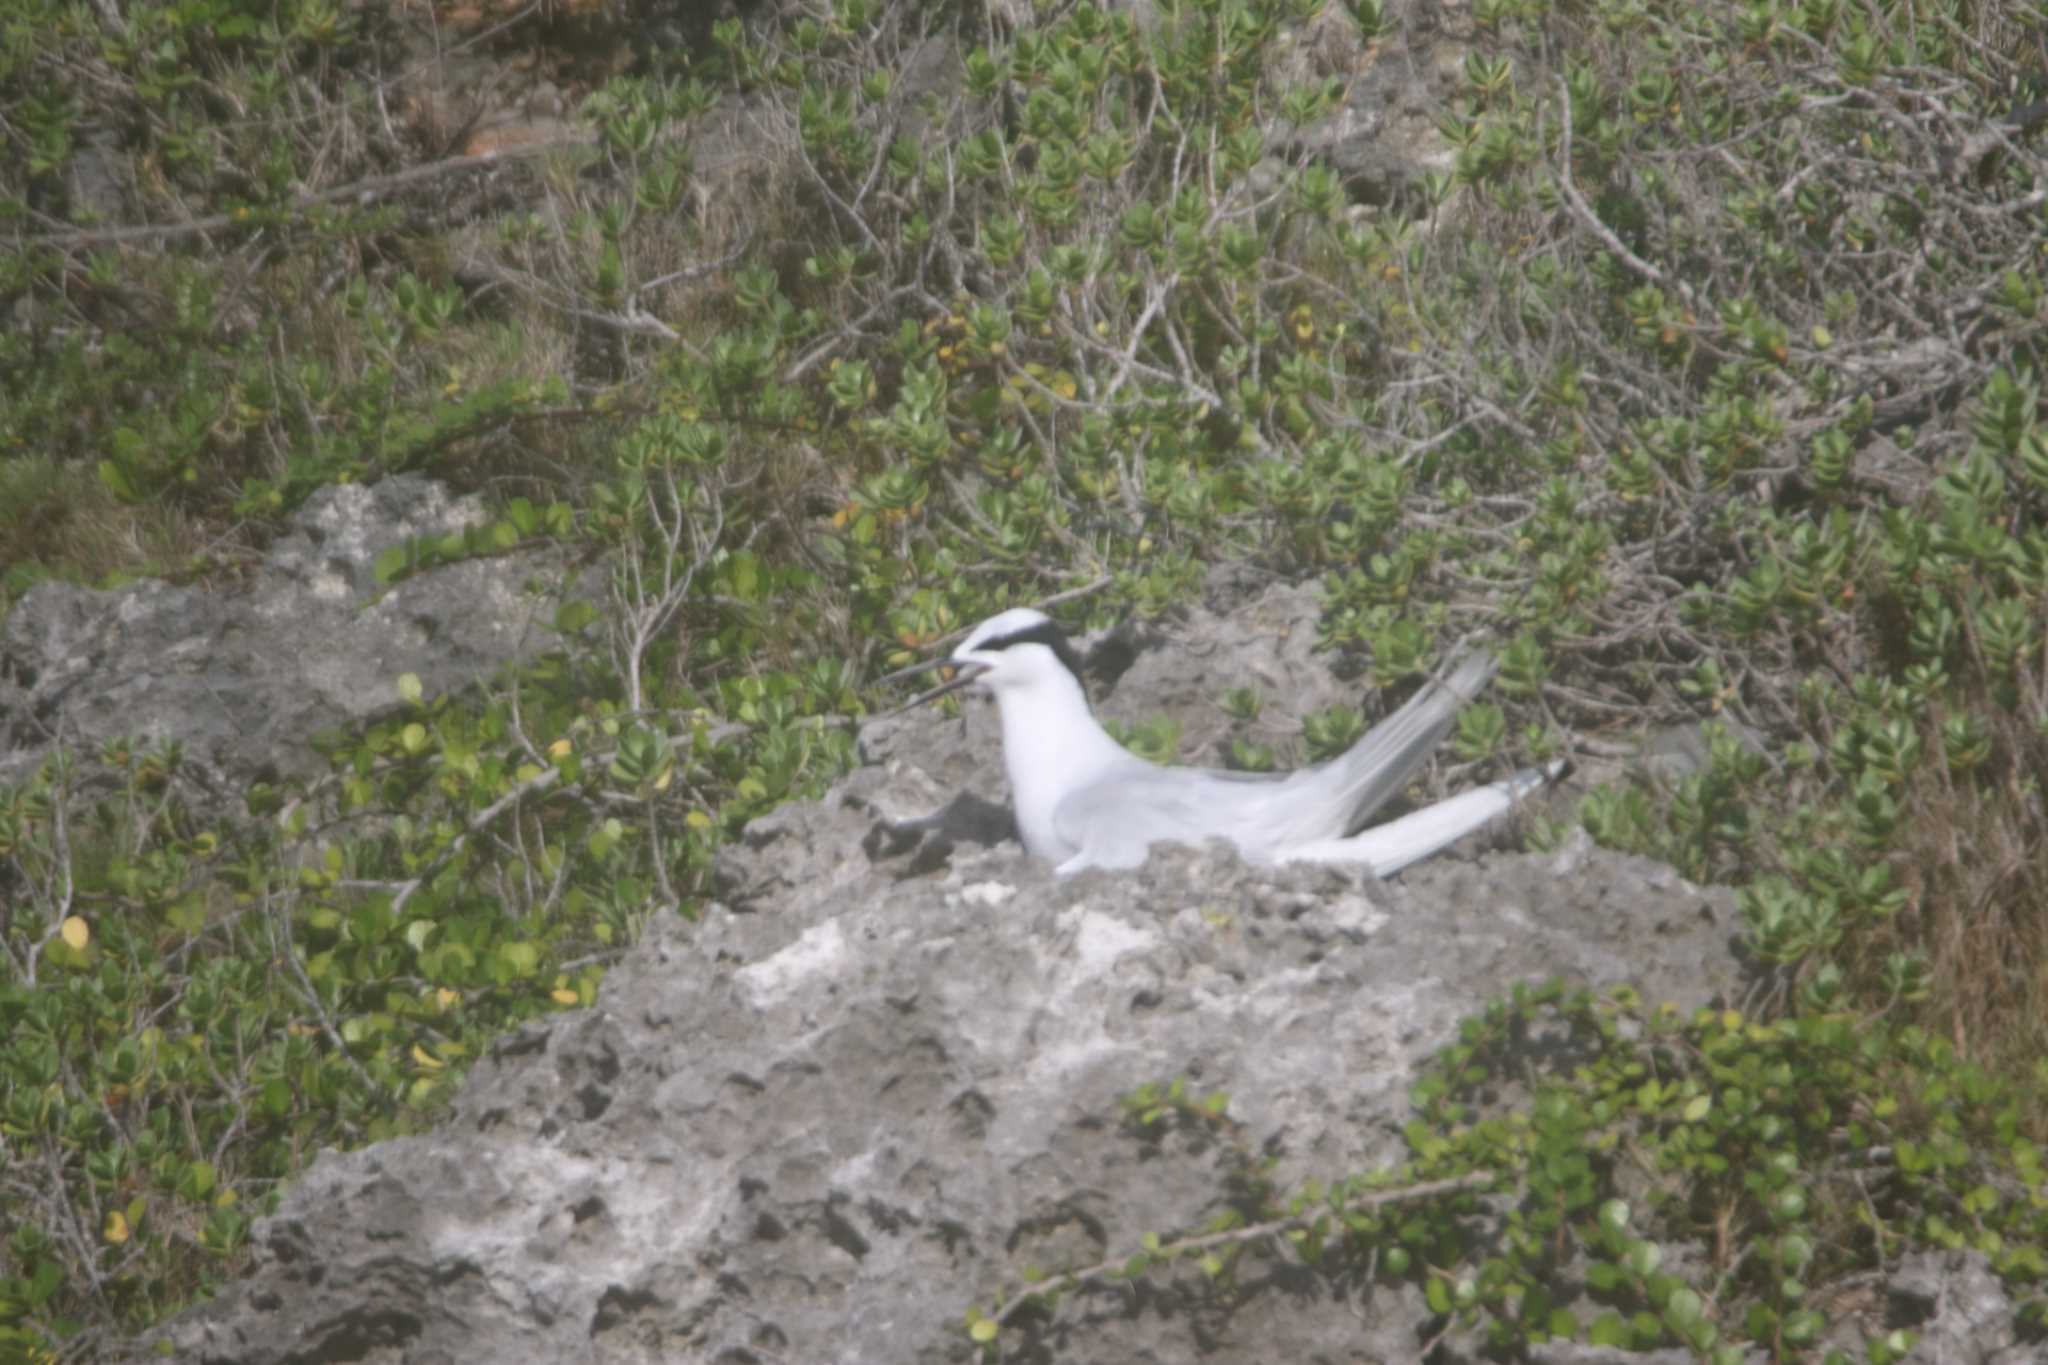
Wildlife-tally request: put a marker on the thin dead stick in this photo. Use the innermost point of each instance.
(1071, 1279)
(365, 189)
(1583, 211)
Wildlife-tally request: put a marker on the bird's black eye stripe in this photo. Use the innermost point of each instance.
(1044, 633)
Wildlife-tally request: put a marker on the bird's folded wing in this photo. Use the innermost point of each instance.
(1114, 821)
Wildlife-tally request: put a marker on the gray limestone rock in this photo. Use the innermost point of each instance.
(1958, 1308)
(821, 1125)
(884, 1076)
(244, 678)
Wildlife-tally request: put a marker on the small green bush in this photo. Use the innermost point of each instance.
(1572, 1202)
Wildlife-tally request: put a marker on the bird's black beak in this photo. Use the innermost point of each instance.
(967, 673)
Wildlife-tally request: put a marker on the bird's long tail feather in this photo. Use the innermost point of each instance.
(1390, 847)
(1371, 772)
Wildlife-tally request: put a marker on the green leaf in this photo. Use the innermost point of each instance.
(188, 913)
(521, 958)
(1804, 1325)
(1682, 1308)
(1609, 1330)
(197, 1181)
(117, 482)
(1644, 1258)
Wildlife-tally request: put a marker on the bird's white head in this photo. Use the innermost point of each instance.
(1021, 652)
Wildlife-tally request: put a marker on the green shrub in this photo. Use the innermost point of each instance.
(1710, 1183)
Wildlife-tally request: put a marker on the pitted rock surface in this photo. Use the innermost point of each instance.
(886, 1075)
(244, 678)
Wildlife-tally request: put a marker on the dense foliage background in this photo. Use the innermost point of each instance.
(1694, 352)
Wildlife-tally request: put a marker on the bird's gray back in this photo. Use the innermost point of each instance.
(1114, 821)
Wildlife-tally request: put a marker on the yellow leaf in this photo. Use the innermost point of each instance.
(409, 688)
(117, 1227)
(561, 748)
(562, 996)
(76, 935)
(426, 1059)
(446, 999)
(697, 819)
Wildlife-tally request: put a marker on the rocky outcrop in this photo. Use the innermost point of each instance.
(244, 678)
(883, 1077)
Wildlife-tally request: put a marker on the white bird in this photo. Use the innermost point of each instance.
(1082, 800)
